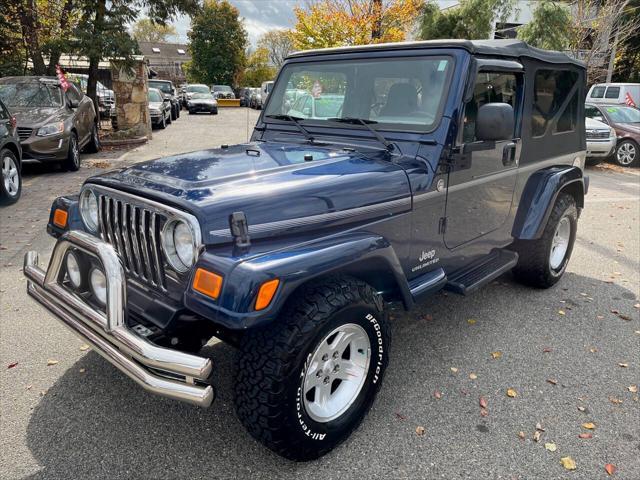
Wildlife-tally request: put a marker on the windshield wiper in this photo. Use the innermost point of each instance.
(296, 120)
(366, 123)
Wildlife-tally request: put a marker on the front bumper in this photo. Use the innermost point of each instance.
(166, 372)
(202, 107)
(600, 148)
(54, 147)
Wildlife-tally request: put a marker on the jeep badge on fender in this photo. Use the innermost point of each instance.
(375, 174)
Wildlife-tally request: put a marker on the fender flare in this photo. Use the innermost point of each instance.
(539, 197)
(294, 266)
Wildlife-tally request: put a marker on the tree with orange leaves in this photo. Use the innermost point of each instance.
(331, 23)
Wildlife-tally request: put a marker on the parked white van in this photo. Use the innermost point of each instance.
(614, 93)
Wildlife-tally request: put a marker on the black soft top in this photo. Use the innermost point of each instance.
(510, 48)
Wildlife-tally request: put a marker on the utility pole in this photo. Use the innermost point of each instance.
(612, 58)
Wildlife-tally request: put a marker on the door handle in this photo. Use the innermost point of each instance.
(509, 154)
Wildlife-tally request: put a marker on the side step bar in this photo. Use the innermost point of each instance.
(491, 267)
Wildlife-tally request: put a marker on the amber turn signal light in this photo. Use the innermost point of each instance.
(60, 218)
(207, 283)
(266, 293)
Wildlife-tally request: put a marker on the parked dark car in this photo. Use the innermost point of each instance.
(202, 102)
(450, 163)
(53, 125)
(626, 122)
(106, 96)
(245, 96)
(169, 92)
(222, 91)
(10, 158)
(159, 109)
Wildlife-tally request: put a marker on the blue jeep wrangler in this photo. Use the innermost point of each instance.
(375, 174)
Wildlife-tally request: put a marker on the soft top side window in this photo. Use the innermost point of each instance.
(555, 104)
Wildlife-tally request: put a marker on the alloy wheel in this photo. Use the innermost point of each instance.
(336, 372)
(626, 153)
(10, 176)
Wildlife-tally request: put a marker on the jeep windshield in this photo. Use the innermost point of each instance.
(394, 94)
(31, 94)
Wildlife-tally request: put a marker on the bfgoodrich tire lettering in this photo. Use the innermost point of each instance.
(536, 264)
(273, 363)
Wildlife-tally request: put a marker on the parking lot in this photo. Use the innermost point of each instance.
(570, 354)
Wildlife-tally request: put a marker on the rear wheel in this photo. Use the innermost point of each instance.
(72, 163)
(306, 382)
(542, 262)
(174, 113)
(94, 143)
(163, 122)
(10, 178)
(627, 153)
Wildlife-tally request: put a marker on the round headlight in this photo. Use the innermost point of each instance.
(73, 270)
(89, 210)
(98, 283)
(178, 244)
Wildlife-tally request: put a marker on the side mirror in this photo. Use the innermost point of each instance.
(495, 122)
(73, 103)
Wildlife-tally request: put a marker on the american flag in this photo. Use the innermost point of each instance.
(628, 100)
(64, 83)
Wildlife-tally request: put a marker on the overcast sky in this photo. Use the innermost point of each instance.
(260, 16)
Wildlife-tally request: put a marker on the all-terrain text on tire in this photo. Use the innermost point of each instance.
(375, 174)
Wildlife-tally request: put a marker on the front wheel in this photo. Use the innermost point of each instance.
(306, 382)
(627, 153)
(72, 163)
(542, 262)
(11, 179)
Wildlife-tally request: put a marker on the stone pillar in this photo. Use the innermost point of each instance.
(130, 87)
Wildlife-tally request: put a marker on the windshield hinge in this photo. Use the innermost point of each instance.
(240, 232)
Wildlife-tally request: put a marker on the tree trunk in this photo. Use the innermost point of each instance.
(56, 51)
(28, 13)
(95, 57)
(376, 31)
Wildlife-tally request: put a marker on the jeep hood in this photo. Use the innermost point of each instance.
(275, 187)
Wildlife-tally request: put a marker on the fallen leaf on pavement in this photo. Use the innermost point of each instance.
(637, 305)
(552, 381)
(582, 409)
(539, 427)
(588, 425)
(11, 365)
(610, 468)
(550, 446)
(428, 317)
(615, 401)
(633, 388)
(585, 435)
(82, 370)
(615, 311)
(473, 376)
(521, 435)
(400, 416)
(51, 362)
(568, 463)
(420, 431)
(454, 369)
(484, 412)
(561, 312)
(483, 402)
(511, 393)
(496, 354)
(623, 365)
(536, 436)
(472, 321)
(624, 317)
(593, 349)
(84, 347)
(547, 350)
(437, 394)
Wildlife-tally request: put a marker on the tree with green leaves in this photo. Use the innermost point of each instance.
(217, 42)
(470, 19)
(258, 69)
(550, 26)
(146, 30)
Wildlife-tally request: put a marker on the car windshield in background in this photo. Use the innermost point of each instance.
(202, 95)
(198, 89)
(222, 88)
(154, 96)
(399, 94)
(623, 114)
(164, 87)
(31, 94)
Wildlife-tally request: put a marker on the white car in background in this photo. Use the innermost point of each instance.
(618, 93)
(601, 140)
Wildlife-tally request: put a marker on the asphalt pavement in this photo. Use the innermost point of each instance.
(571, 355)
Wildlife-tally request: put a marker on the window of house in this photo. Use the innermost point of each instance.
(155, 50)
(555, 105)
(181, 52)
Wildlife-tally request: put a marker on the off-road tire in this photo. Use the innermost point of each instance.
(94, 143)
(72, 162)
(534, 267)
(273, 361)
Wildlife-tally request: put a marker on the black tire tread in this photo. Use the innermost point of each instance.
(268, 354)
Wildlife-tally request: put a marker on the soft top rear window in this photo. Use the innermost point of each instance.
(392, 94)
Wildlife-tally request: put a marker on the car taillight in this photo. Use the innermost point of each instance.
(13, 122)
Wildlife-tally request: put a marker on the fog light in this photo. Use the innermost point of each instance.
(98, 283)
(73, 270)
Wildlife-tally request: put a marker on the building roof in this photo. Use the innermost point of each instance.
(164, 51)
(503, 48)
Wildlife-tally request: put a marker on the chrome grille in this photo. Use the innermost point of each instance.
(24, 133)
(597, 134)
(134, 231)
